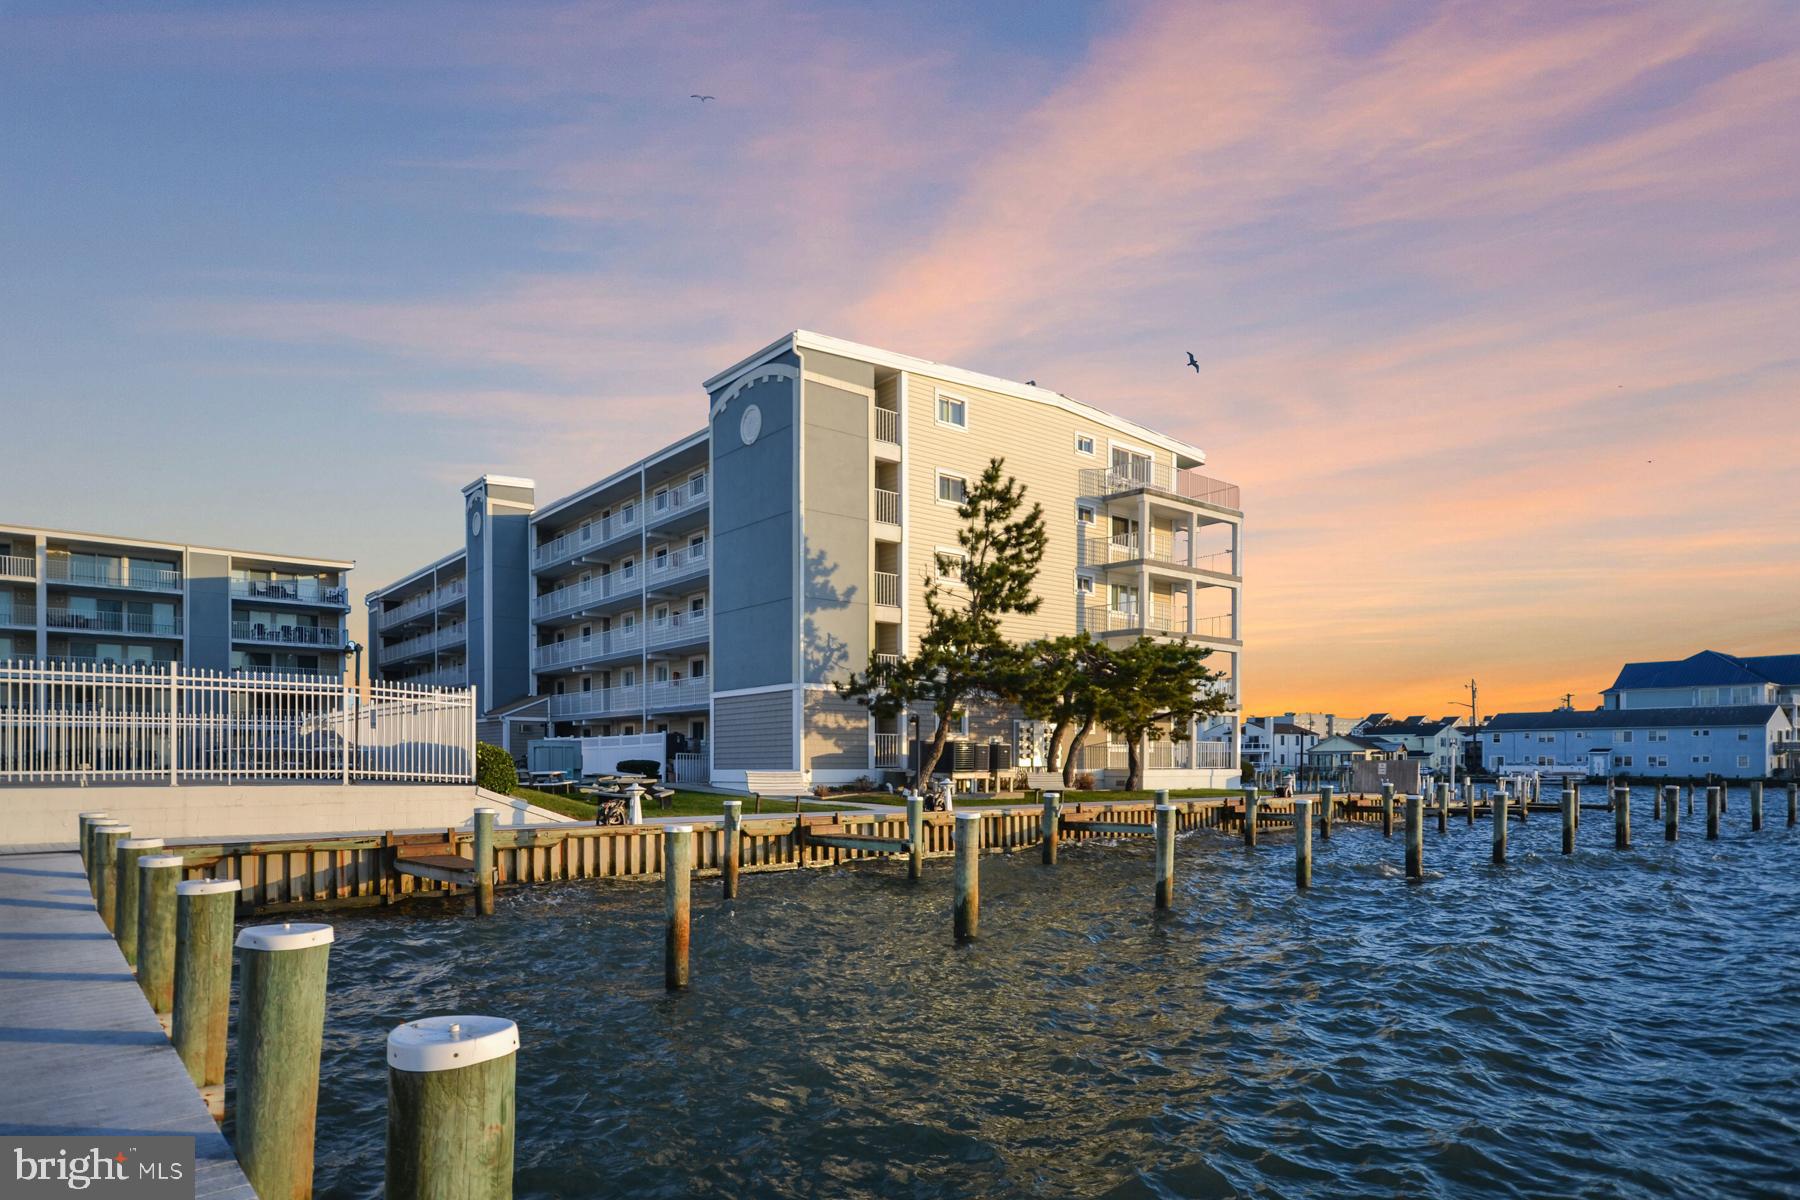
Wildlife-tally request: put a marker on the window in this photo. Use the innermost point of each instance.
(1743, 760)
(661, 673)
(1625, 735)
(1743, 736)
(1658, 735)
(1084, 514)
(1701, 758)
(952, 411)
(949, 564)
(1084, 444)
(697, 668)
(1083, 585)
(1621, 760)
(697, 486)
(952, 489)
(662, 557)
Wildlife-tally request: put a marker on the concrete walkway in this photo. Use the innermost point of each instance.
(80, 1050)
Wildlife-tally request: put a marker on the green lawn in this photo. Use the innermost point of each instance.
(682, 804)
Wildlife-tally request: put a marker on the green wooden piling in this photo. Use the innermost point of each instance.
(1250, 817)
(1570, 806)
(281, 1025)
(678, 869)
(915, 836)
(1415, 838)
(484, 860)
(1712, 814)
(968, 876)
(83, 820)
(106, 868)
(1302, 844)
(1756, 805)
(1387, 810)
(203, 925)
(451, 1109)
(1165, 855)
(125, 895)
(1671, 812)
(157, 876)
(734, 836)
(1047, 826)
(1443, 807)
(1327, 809)
(1622, 818)
(1500, 818)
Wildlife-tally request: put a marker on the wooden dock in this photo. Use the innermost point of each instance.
(81, 1049)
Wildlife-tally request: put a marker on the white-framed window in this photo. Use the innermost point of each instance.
(697, 485)
(1658, 735)
(1658, 760)
(1743, 736)
(952, 411)
(948, 563)
(951, 489)
(1084, 585)
(1743, 760)
(1701, 758)
(661, 499)
(1084, 444)
(1084, 514)
(1621, 760)
(696, 668)
(1625, 735)
(662, 673)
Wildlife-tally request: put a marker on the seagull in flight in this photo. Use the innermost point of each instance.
(1192, 362)
(700, 98)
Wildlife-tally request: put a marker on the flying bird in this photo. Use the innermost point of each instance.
(1192, 362)
(700, 98)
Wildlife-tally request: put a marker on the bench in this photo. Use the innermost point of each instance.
(436, 861)
(1044, 781)
(776, 785)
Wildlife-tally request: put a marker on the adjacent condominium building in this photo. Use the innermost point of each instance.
(97, 598)
(717, 588)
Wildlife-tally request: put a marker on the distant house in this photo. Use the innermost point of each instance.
(1275, 743)
(1439, 741)
(1708, 679)
(1339, 750)
(1740, 741)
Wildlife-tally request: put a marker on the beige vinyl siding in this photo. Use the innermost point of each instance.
(1038, 444)
(837, 733)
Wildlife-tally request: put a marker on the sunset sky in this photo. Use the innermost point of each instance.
(1497, 305)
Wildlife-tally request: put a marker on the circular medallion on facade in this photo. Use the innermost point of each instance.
(750, 424)
(475, 519)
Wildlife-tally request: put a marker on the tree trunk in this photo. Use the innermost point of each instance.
(1134, 764)
(1053, 756)
(1087, 727)
(929, 760)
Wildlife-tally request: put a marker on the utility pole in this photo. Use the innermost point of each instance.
(1474, 723)
(1568, 701)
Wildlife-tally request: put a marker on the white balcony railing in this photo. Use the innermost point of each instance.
(292, 591)
(887, 506)
(594, 533)
(286, 635)
(892, 660)
(142, 577)
(110, 622)
(679, 499)
(608, 642)
(1127, 547)
(889, 747)
(1103, 620)
(18, 613)
(680, 627)
(1160, 477)
(680, 693)
(423, 643)
(17, 566)
(887, 426)
(574, 596)
(887, 588)
(456, 589)
(1161, 755)
(677, 563)
(421, 603)
(627, 698)
(452, 635)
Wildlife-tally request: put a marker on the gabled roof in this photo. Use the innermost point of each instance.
(1782, 669)
(1358, 741)
(1735, 716)
(1709, 668)
(1290, 727)
(1411, 727)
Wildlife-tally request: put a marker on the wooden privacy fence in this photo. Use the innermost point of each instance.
(165, 723)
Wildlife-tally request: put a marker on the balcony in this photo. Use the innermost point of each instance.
(890, 748)
(1127, 547)
(424, 643)
(287, 635)
(887, 588)
(453, 635)
(887, 506)
(680, 693)
(600, 702)
(683, 562)
(586, 537)
(1103, 621)
(16, 613)
(450, 593)
(292, 591)
(110, 622)
(17, 566)
(576, 596)
(606, 644)
(665, 506)
(414, 607)
(887, 426)
(1163, 479)
(678, 629)
(141, 577)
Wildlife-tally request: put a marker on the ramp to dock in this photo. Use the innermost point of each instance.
(79, 1047)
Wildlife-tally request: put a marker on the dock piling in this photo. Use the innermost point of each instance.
(1250, 817)
(1621, 818)
(1387, 810)
(1712, 814)
(734, 835)
(451, 1108)
(1671, 812)
(281, 1025)
(1443, 807)
(915, 836)
(678, 870)
(1327, 807)
(1570, 806)
(1047, 827)
(1756, 805)
(1415, 838)
(484, 860)
(1302, 844)
(1165, 855)
(1793, 804)
(1469, 807)
(1501, 800)
(107, 836)
(83, 823)
(125, 898)
(968, 876)
(157, 876)
(203, 922)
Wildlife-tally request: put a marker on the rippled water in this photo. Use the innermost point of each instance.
(1607, 1024)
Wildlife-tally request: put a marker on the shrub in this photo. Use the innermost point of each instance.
(494, 769)
(1084, 782)
(641, 766)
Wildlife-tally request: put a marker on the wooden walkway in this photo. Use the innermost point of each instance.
(79, 1047)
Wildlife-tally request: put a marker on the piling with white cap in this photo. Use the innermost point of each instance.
(125, 896)
(484, 860)
(107, 836)
(678, 869)
(968, 876)
(1048, 823)
(1303, 844)
(157, 876)
(203, 923)
(915, 836)
(634, 804)
(1165, 855)
(281, 1026)
(451, 1108)
(82, 822)
(733, 834)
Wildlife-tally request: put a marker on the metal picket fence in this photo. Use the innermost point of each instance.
(151, 723)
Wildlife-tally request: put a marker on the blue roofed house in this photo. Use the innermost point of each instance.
(1709, 714)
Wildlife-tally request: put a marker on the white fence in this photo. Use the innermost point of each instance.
(144, 724)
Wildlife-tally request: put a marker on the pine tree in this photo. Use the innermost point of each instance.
(1156, 688)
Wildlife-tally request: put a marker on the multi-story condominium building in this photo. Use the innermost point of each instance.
(84, 597)
(717, 588)
(1709, 678)
(1738, 741)
(462, 621)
